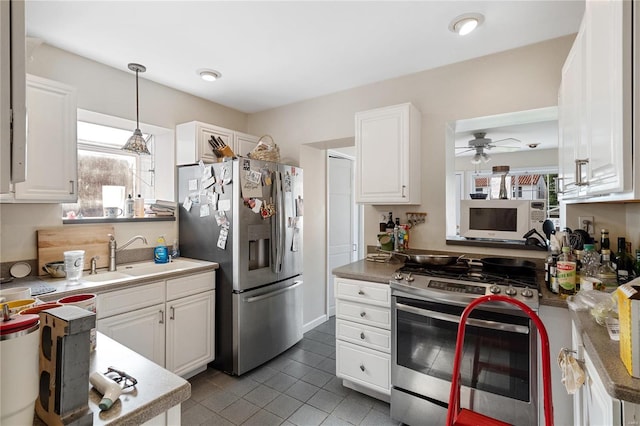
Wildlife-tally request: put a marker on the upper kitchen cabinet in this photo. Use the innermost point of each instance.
(51, 150)
(595, 107)
(243, 143)
(388, 155)
(192, 142)
(12, 94)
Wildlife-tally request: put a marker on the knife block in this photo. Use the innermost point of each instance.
(64, 366)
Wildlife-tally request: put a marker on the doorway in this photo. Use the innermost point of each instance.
(343, 218)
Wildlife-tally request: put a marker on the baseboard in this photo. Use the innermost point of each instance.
(313, 324)
(372, 393)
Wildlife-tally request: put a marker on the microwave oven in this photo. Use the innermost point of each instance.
(501, 219)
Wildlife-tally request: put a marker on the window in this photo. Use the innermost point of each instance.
(106, 173)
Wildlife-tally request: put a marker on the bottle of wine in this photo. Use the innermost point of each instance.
(624, 262)
(390, 224)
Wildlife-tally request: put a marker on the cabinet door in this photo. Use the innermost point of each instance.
(599, 408)
(243, 143)
(142, 331)
(51, 143)
(572, 132)
(608, 67)
(190, 332)
(387, 155)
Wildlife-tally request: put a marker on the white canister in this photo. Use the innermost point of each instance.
(19, 357)
(84, 301)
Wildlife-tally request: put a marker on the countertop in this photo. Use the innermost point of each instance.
(65, 288)
(157, 390)
(603, 351)
(605, 354)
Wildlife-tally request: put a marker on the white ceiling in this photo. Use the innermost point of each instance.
(276, 53)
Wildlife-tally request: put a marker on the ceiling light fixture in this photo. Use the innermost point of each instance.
(480, 155)
(136, 142)
(209, 75)
(464, 24)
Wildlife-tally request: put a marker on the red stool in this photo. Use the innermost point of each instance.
(465, 417)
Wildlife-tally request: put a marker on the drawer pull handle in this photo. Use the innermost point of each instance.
(362, 314)
(173, 313)
(161, 316)
(362, 336)
(361, 293)
(361, 367)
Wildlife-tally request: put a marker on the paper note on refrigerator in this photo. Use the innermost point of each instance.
(295, 243)
(250, 187)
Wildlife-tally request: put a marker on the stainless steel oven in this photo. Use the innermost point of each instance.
(499, 364)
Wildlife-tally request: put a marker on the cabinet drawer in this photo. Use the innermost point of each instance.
(129, 299)
(190, 284)
(364, 366)
(363, 291)
(364, 314)
(360, 334)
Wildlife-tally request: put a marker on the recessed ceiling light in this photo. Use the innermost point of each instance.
(209, 75)
(464, 24)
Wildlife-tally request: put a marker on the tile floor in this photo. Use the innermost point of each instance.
(298, 387)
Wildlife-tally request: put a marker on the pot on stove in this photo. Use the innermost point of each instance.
(507, 265)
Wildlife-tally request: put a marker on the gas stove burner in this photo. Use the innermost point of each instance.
(464, 272)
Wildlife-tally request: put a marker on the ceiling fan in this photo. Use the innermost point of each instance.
(480, 143)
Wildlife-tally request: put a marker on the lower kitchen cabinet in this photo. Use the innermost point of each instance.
(363, 336)
(169, 322)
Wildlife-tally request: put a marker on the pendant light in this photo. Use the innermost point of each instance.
(136, 142)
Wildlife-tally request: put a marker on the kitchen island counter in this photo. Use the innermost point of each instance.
(158, 391)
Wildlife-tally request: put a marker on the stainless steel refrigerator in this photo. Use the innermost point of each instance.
(247, 216)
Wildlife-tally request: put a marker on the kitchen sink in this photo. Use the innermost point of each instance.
(142, 269)
(105, 276)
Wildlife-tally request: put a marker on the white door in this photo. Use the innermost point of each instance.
(342, 220)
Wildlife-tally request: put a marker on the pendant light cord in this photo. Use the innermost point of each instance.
(137, 110)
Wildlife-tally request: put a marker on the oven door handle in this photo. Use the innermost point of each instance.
(493, 325)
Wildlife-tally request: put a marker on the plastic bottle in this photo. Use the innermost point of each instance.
(160, 252)
(590, 261)
(175, 249)
(606, 273)
(396, 235)
(128, 207)
(139, 207)
(566, 272)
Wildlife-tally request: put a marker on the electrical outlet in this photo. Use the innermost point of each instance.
(586, 224)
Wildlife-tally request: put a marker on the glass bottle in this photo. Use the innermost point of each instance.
(604, 240)
(590, 261)
(566, 272)
(624, 262)
(606, 273)
(390, 224)
(550, 270)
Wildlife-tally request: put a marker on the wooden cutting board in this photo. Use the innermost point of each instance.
(93, 239)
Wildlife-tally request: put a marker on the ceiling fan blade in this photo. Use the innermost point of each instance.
(465, 151)
(506, 139)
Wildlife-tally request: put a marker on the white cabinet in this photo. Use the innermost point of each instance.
(363, 336)
(169, 322)
(12, 94)
(592, 404)
(51, 153)
(192, 142)
(388, 155)
(595, 107)
(244, 143)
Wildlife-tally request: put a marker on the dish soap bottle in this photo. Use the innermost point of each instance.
(128, 207)
(161, 253)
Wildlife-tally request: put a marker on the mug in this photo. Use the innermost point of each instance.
(112, 211)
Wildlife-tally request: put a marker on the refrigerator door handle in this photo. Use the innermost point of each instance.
(273, 293)
(277, 223)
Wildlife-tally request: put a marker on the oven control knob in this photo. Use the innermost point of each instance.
(397, 276)
(494, 289)
(409, 278)
(511, 291)
(527, 292)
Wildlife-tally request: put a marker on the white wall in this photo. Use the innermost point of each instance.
(109, 91)
(516, 80)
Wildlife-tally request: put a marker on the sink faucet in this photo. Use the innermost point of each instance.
(113, 248)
